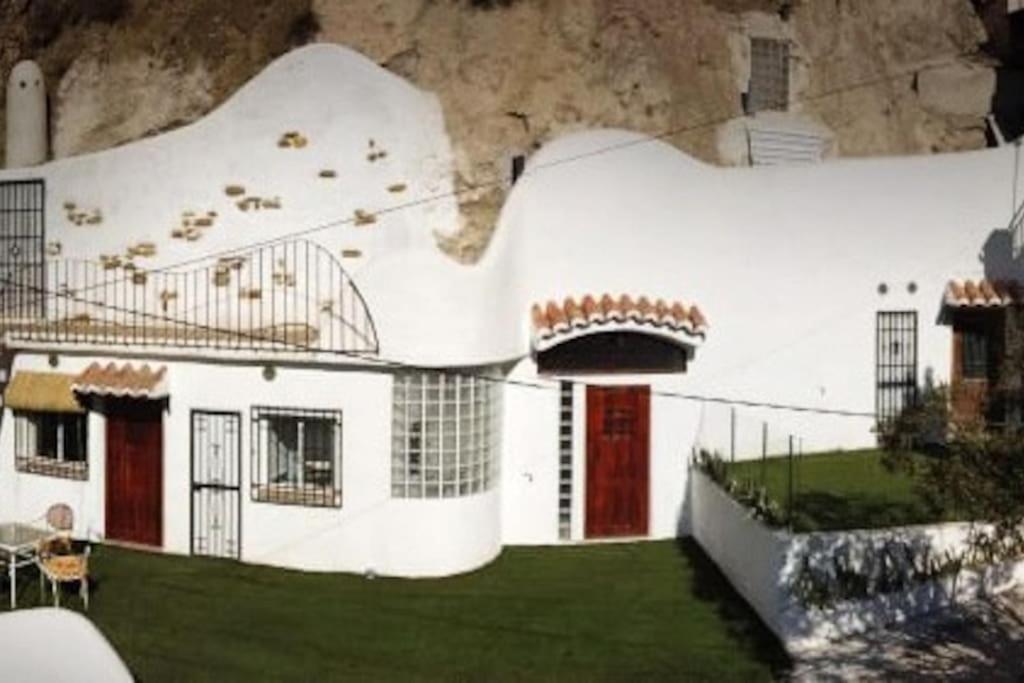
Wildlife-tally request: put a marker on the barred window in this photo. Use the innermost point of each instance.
(296, 456)
(445, 434)
(769, 75)
(974, 350)
(53, 444)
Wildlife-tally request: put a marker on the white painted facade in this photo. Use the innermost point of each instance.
(785, 262)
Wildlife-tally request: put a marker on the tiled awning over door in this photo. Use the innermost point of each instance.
(122, 381)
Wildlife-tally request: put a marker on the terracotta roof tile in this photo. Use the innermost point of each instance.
(540, 319)
(124, 380)
(627, 307)
(551, 318)
(982, 293)
(574, 313)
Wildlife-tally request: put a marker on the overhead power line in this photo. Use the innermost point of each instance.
(500, 182)
(391, 364)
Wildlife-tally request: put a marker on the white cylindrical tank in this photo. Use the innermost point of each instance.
(26, 116)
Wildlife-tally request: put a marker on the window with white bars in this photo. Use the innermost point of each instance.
(445, 434)
(565, 461)
(769, 75)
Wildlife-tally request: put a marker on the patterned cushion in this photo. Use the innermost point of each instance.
(66, 567)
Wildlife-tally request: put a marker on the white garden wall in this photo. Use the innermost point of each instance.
(761, 563)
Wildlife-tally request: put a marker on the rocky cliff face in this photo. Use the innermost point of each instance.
(880, 77)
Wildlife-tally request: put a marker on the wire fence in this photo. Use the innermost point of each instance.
(760, 459)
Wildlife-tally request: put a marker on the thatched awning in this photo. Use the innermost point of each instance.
(49, 392)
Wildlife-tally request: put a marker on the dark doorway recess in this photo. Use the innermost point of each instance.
(614, 352)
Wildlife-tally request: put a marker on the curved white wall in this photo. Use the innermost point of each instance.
(785, 262)
(371, 530)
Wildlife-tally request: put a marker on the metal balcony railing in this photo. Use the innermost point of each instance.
(292, 296)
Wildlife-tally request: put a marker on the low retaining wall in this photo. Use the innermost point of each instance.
(764, 564)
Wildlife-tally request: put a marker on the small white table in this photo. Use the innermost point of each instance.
(18, 545)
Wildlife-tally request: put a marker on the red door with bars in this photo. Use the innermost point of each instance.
(134, 497)
(618, 461)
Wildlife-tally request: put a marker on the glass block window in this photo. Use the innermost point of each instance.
(769, 75)
(296, 456)
(445, 434)
(565, 461)
(53, 444)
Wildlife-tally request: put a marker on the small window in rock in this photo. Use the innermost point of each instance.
(518, 166)
(769, 75)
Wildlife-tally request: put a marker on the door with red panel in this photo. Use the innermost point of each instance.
(134, 496)
(618, 461)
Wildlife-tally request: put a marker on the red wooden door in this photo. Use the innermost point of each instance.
(134, 504)
(618, 454)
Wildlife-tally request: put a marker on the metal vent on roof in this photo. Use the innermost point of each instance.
(777, 146)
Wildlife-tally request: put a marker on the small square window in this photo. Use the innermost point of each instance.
(974, 354)
(54, 444)
(297, 456)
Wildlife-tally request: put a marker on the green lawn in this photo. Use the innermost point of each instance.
(846, 490)
(648, 611)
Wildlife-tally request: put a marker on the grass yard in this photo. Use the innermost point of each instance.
(648, 611)
(847, 490)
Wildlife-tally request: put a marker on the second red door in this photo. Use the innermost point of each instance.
(618, 452)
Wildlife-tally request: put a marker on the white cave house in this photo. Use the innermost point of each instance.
(240, 338)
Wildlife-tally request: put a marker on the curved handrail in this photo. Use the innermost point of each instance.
(293, 294)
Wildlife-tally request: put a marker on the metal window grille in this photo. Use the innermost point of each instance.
(769, 75)
(896, 364)
(565, 460)
(22, 248)
(296, 456)
(52, 444)
(445, 434)
(974, 354)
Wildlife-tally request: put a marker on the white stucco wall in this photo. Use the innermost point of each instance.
(785, 262)
(370, 532)
(531, 456)
(761, 564)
